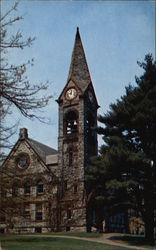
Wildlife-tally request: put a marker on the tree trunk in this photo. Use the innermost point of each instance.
(89, 218)
(149, 225)
(149, 214)
(99, 218)
(149, 205)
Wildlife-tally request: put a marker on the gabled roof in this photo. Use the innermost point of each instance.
(79, 71)
(42, 149)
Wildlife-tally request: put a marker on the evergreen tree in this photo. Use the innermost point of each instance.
(128, 157)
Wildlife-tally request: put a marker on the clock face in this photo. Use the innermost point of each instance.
(71, 93)
(22, 161)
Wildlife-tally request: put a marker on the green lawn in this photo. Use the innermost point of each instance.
(49, 243)
(136, 240)
(78, 234)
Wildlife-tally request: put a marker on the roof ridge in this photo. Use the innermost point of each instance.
(42, 149)
(42, 144)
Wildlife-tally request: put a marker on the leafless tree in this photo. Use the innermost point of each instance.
(15, 88)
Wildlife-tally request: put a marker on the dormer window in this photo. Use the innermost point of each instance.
(71, 123)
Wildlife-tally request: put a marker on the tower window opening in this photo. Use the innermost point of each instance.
(65, 185)
(75, 188)
(91, 134)
(90, 124)
(71, 122)
(70, 156)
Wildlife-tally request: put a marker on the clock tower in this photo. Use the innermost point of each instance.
(77, 140)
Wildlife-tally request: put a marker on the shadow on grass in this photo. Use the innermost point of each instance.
(135, 240)
(28, 239)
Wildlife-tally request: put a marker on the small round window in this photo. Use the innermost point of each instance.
(22, 160)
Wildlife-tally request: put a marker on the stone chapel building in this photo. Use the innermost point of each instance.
(44, 188)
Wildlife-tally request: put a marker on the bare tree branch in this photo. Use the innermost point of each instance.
(15, 88)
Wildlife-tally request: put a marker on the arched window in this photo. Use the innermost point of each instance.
(71, 123)
(15, 189)
(39, 187)
(90, 123)
(91, 135)
(27, 187)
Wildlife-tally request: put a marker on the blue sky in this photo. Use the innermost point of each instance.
(115, 35)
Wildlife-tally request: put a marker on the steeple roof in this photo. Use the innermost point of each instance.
(79, 71)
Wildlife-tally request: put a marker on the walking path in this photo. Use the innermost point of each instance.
(113, 239)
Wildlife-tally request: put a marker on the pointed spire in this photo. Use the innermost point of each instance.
(79, 71)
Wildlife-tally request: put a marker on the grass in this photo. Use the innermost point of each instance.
(49, 243)
(78, 234)
(45, 241)
(136, 240)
